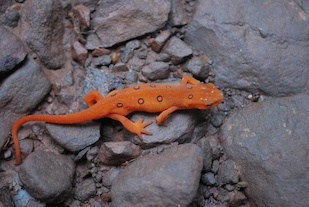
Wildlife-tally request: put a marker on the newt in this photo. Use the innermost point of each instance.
(152, 98)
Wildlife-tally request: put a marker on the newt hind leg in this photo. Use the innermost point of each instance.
(93, 97)
(189, 79)
(137, 128)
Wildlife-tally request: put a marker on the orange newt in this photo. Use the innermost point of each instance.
(152, 98)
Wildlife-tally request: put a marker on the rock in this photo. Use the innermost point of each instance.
(116, 153)
(209, 179)
(20, 93)
(266, 139)
(133, 18)
(237, 198)
(75, 137)
(85, 189)
(228, 173)
(178, 49)
(43, 30)
(157, 43)
(168, 179)
(198, 67)
(10, 18)
(156, 70)
(79, 52)
(103, 82)
(207, 161)
(109, 176)
(47, 176)
(178, 127)
(257, 48)
(12, 51)
(100, 52)
(5, 200)
(179, 16)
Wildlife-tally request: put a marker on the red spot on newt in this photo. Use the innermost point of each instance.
(152, 98)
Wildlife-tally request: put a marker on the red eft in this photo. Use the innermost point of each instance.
(152, 98)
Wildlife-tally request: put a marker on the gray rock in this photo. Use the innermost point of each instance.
(178, 49)
(116, 153)
(168, 179)
(228, 173)
(209, 179)
(260, 48)
(10, 18)
(20, 93)
(85, 189)
(133, 18)
(12, 51)
(198, 67)
(75, 137)
(178, 127)
(109, 176)
(157, 43)
(47, 176)
(207, 161)
(269, 141)
(43, 30)
(156, 70)
(178, 16)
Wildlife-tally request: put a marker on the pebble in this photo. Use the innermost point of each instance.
(85, 189)
(116, 153)
(228, 173)
(178, 50)
(156, 70)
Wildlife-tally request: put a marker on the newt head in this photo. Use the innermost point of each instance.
(205, 96)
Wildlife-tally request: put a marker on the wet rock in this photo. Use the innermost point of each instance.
(168, 179)
(10, 18)
(228, 173)
(256, 49)
(266, 139)
(43, 30)
(133, 18)
(80, 53)
(85, 189)
(12, 51)
(178, 49)
(178, 127)
(157, 43)
(47, 176)
(75, 137)
(198, 67)
(19, 94)
(156, 70)
(116, 153)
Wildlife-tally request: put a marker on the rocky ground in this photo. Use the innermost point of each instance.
(251, 150)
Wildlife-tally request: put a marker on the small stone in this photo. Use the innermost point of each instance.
(164, 57)
(237, 198)
(228, 173)
(100, 52)
(209, 179)
(116, 153)
(92, 153)
(156, 70)
(10, 18)
(198, 67)
(207, 161)
(142, 54)
(217, 120)
(157, 43)
(109, 176)
(120, 67)
(79, 52)
(105, 60)
(178, 49)
(223, 195)
(133, 44)
(85, 189)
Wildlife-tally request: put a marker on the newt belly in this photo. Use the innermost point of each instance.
(152, 98)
